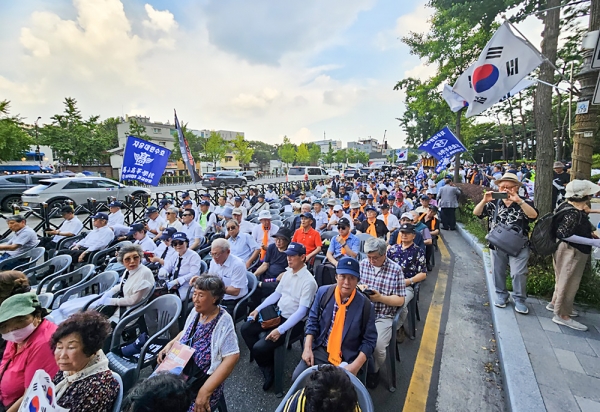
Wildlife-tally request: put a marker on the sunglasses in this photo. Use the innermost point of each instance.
(177, 243)
(186, 214)
(231, 228)
(170, 213)
(343, 227)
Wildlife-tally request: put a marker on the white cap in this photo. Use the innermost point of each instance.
(337, 207)
(407, 215)
(264, 214)
(581, 189)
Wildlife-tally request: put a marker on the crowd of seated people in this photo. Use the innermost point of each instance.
(344, 320)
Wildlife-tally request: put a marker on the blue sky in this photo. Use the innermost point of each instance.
(269, 69)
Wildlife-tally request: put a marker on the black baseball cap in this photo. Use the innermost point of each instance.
(168, 233)
(344, 222)
(407, 228)
(136, 227)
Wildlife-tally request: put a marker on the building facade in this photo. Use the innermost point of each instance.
(324, 145)
(366, 145)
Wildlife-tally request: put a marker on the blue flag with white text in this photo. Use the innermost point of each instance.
(442, 165)
(144, 161)
(443, 144)
(421, 175)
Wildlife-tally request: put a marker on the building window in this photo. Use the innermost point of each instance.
(156, 130)
(228, 158)
(164, 144)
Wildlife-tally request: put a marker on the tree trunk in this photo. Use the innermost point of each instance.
(514, 136)
(504, 140)
(542, 107)
(586, 125)
(524, 145)
(559, 131)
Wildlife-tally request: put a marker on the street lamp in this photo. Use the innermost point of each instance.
(37, 140)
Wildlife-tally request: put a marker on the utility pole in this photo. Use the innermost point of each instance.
(586, 125)
(38, 152)
(457, 178)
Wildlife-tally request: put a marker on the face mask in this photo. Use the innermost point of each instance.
(269, 190)
(19, 335)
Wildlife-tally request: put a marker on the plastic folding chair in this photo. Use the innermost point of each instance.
(45, 299)
(155, 319)
(252, 284)
(30, 256)
(94, 286)
(364, 398)
(55, 266)
(55, 283)
(119, 400)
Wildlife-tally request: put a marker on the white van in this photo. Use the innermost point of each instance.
(302, 173)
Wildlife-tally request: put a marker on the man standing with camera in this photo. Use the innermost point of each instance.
(507, 208)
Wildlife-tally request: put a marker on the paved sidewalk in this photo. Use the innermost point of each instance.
(566, 362)
(545, 366)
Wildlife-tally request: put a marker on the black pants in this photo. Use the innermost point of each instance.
(429, 254)
(262, 291)
(74, 254)
(449, 218)
(47, 243)
(263, 350)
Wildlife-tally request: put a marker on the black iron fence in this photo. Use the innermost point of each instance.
(134, 208)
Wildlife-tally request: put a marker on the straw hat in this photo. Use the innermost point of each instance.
(509, 177)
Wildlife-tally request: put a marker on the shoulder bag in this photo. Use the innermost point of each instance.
(507, 238)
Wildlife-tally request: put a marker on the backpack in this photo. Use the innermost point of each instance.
(325, 274)
(366, 307)
(543, 239)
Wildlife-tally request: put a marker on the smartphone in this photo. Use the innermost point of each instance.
(499, 195)
(368, 292)
(149, 254)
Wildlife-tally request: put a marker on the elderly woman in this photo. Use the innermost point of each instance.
(12, 282)
(211, 332)
(83, 383)
(27, 333)
(136, 283)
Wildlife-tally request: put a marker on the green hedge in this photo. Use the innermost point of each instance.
(540, 281)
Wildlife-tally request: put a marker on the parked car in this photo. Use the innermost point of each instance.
(297, 173)
(13, 186)
(248, 174)
(332, 172)
(223, 179)
(349, 173)
(78, 189)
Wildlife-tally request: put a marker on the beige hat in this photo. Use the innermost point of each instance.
(237, 211)
(354, 205)
(509, 177)
(558, 165)
(580, 189)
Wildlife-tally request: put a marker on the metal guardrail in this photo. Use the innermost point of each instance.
(134, 208)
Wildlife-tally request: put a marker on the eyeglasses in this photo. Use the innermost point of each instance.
(170, 213)
(177, 243)
(231, 228)
(131, 258)
(506, 187)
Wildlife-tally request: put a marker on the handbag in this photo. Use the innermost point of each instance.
(507, 238)
(269, 317)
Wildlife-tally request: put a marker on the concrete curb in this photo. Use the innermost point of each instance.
(520, 385)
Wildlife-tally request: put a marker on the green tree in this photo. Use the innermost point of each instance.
(215, 148)
(263, 153)
(136, 129)
(314, 151)
(341, 156)
(75, 140)
(109, 128)
(14, 141)
(362, 157)
(329, 157)
(303, 155)
(287, 151)
(242, 150)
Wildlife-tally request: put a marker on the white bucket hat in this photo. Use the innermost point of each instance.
(580, 189)
(264, 214)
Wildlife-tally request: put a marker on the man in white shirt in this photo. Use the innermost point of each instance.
(242, 245)
(245, 226)
(116, 217)
(186, 196)
(218, 210)
(263, 233)
(390, 220)
(206, 196)
(431, 186)
(164, 250)
(320, 188)
(97, 239)
(164, 206)
(328, 194)
(233, 272)
(338, 213)
(237, 204)
(181, 266)
(245, 201)
(140, 236)
(155, 221)
(321, 217)
(71, 226)
(271, 195)
(191, 228)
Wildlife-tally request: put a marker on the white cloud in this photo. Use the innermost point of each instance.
(422, 71)
(159, 20)
(417, 21)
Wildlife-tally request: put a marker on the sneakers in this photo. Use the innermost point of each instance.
(521, 308)
(500, 303)
(569, 323)
(372, 380)
(573, 314)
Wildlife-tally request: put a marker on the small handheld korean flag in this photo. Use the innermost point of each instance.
(455, 101)
(402, 155)
(504, 62)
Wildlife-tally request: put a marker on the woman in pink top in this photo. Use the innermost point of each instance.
(28, 334)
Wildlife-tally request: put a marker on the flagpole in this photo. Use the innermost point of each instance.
(544, 57)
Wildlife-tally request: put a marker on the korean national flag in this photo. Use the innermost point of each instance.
(504, 62)
(402, 155)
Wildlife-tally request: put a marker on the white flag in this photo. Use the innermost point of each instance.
(454, 100)
(402, 155)
(504, 62)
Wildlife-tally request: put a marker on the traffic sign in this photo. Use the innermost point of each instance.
(596, 55)
(596, 99)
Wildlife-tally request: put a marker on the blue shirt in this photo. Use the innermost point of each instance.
(336, 247)
(243, 246)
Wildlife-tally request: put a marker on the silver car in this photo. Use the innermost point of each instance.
(79, 190)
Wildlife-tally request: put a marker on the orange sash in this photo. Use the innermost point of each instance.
(265, 242)
(334, 345)
(345, 238)
(371, 229)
